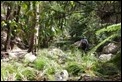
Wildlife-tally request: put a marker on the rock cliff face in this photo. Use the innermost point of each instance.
(3, 39)
(16, 41)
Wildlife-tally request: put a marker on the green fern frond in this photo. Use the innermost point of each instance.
(101, 43)
(114, 27)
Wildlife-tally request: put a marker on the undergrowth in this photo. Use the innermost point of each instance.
(48, 62)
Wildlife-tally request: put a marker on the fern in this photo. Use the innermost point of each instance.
(112, 28)
(101, 43)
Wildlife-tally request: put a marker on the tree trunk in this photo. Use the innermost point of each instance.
(36, 36)
(18, 12)
(35, 27)
(8, 17)
(16, 15)
(31, 39)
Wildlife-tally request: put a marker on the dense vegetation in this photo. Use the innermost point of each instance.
(51, 32)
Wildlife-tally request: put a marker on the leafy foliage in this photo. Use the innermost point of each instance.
(116, 32)
(74, 69)
(115, 28)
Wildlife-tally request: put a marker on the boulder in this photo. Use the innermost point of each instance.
(61, 75)
(105, 57)
(110, 48)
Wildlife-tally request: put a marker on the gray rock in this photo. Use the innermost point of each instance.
(110, 48)
(105, 57)
(61, 75)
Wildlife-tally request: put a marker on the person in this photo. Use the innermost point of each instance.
(84, 45)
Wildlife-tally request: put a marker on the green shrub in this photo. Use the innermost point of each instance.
(74, 69)
(107, 69)
(28, 73)
(51, 70)
(40, 63)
